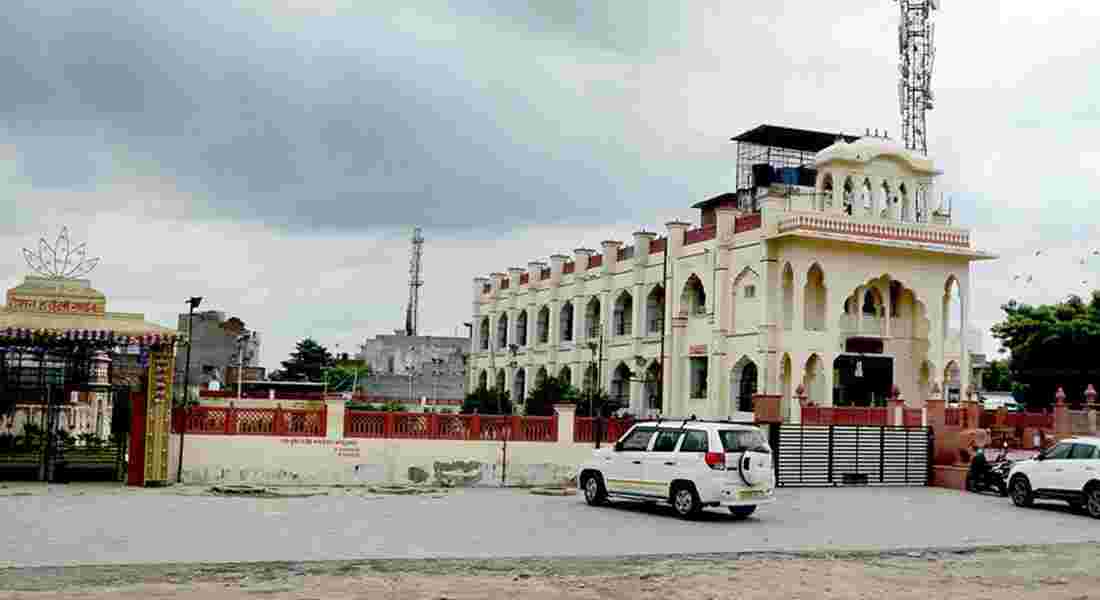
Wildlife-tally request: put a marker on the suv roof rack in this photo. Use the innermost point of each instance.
(691, 419)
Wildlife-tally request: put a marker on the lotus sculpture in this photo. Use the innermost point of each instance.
(61, 260)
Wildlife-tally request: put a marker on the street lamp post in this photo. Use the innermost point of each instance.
(437, 370)
(192, 304)
(241, 340)
(513, 349)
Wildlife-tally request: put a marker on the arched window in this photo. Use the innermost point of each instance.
(502, 331)
(542, 325)
(788, 297)
(540, 377)
(500, 380)
(521, 328)
(652, 386)
(871, 304)
(592, 318)
(622, 320)
(620, 385)
(519, 386)
(814, 293)
(693, 300)
(482, 334)
(483, 380)
(655, 310)
(566, 375)
(826, 192)
(566, 322)
(746, 387)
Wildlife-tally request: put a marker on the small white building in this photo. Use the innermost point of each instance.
(830, 268)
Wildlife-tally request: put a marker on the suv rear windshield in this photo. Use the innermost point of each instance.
(741, 440)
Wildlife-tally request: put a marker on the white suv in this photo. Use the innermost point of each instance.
(1068, 471)
(689, 464)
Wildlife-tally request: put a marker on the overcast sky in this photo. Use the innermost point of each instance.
(273, 156)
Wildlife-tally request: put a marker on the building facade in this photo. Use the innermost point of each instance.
(217, 346)
(828, 274)
(417, 369)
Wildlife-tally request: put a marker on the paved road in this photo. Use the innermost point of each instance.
(158, 527)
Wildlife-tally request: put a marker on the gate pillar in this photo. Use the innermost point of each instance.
(152, 415)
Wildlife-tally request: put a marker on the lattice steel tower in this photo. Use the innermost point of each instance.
(412, 310)
(916, 36)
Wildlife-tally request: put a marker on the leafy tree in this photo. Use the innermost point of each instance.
(598, 402)
(998, 377)
(1052, 345)
(307, 362)
(342, 377)
(552, 390)
(487, 401)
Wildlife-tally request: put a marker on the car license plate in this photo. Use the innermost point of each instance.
(750, 494)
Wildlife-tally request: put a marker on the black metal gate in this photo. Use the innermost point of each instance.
(830, 455)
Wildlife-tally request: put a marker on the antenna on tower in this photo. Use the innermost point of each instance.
(916, 47)
(412, 309)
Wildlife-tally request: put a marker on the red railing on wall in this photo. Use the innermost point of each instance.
(952, 417)
(826, 415)
(524, 278)
(747, 223)
(595, 261)
(701, 234)
(912, 417)
(657, 246)
(610, 429)
(568, 267)
(394, 425)
(218, 420)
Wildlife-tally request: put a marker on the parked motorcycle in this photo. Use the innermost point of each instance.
(989, 476)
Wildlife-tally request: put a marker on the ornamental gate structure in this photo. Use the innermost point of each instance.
(834, 455)
(84, 394)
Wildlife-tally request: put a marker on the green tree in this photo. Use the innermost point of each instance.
(307, 362)
(486, 401)
(343, 377)
(998, 377)
(552, 390)
(1052, 346)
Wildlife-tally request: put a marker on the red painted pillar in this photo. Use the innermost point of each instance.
(1062, 427)
(135, 472)
(475, 427)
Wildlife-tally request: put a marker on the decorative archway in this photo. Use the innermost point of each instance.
(813, 379)
(566, 375)
(566, 321)
(788, 297)
(482, 334)
(815, 299)
(502, 332)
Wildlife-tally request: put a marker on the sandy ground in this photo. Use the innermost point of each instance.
(1050, 572)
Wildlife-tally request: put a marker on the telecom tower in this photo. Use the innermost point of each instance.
(916, 34)
(412, 310)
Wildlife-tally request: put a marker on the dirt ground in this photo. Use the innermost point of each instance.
(1048, 572)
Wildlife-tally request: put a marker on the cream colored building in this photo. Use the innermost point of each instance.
(830, 268)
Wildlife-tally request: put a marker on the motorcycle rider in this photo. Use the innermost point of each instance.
(979, 466)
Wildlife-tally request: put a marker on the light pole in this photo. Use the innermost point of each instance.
(241, 340)
(513, 363)
(192, 303)
(437, 366)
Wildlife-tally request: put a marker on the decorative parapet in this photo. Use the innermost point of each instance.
(882, 231)
(745, 223)
(700, 234)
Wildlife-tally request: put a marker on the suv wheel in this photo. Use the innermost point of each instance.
(594, 492)
(1020, 490)
(1093, 501)
(685, 500)
(741, 512)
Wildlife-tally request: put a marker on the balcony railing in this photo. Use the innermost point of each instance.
(880, 229)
